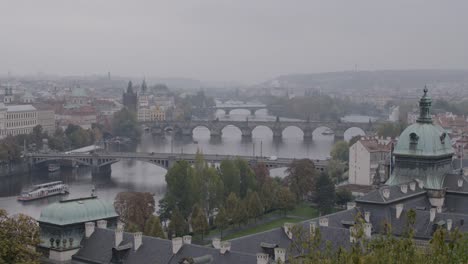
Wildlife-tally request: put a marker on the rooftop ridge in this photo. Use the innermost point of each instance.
(78, 199)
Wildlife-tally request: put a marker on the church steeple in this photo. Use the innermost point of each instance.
(425, 108)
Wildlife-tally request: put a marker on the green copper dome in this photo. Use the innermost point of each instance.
(77, 211)
(426, 140)
(423, 138)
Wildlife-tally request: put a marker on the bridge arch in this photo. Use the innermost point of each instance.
(201, 126)
(292, 129)
(261, 129)
(353, 131)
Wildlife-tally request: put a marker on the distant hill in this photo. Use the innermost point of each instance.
(367, 79)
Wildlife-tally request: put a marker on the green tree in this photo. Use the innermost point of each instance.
(180, 184)
(340, 151)
(153, 227)
(231, 177)
(325, 194)
(19, 236)
(247, 177)
(178, 225)
(232, 202)
(301, 177)
(268, 192)
(199, 221)
(221, 220)
(254, 205)
(134, 207)
(285, 200)
(343, 196)
(241, 215)
(336, 170)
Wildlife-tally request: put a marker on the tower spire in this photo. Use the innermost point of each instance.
(425, 108)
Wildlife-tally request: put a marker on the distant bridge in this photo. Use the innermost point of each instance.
(185, 128)
(227, 108)
(100, 161)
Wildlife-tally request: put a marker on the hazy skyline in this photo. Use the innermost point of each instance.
(218, 40)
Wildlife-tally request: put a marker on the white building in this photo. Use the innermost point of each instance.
(369, 157)
(19, 119)
(394, 114)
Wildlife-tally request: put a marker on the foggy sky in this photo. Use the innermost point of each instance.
(238, 40)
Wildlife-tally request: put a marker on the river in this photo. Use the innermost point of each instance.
(140, 176)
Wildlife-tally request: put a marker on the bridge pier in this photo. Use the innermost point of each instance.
(215, 133)
(339, 135)
(277, 134)
(246, 132)
(187, 132)
(308, 135)
(252, 112)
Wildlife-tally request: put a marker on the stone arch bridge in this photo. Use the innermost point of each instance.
(100, 162)
(185, 128)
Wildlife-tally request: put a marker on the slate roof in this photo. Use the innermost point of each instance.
(20, 108)
(98, 248)
(396, 194)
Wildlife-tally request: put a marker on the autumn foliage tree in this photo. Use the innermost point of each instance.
(301, 177)
(134, 207)
(19, 235)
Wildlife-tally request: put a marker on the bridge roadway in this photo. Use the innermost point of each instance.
(100, 161)
(185, 128)
(227, 108)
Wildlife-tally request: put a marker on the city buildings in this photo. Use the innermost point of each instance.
(369, 160)
(46, 117)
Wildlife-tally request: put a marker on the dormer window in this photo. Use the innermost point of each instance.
(442, 138)
(413, 139)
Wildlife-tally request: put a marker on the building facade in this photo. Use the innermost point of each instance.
(369, 160)
(19, 119)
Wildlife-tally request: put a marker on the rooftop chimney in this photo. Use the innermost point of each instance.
(432, 214)
(386, 193)
(118, 236)
(367, 216)
(187, 239)
(404, 188)
(137, 237)
(323, 221)
(262, 258)
(352, 234)
(312, 227)
(176, 244)
(280, 254)
(102, 224)
(350, 205)
(412, 186)
(399, 209)
(225, 247)
(460, 183)
(449, 224)
(89, 229)
(368, 230)
(288, 229)
(216, 243)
